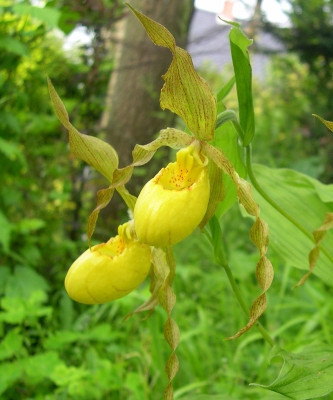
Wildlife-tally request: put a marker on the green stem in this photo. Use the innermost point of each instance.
(241, 300)
(260, 190)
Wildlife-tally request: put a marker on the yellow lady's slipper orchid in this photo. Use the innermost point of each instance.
(109, 270)
(172, 204)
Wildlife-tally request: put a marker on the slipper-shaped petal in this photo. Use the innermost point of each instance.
(173, 203)
(108, 271)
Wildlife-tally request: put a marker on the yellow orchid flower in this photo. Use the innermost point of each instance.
(172, 204)
(109, 270)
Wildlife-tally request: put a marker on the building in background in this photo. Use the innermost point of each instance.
(208, 39)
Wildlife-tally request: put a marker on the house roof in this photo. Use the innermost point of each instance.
(209, 41)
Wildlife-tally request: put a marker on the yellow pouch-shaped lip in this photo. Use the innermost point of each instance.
(173, 203)
(108, 271)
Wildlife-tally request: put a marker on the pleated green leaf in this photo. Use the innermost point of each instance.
(305, 375)
(308, 201)
(184, 92)
(258, 233)
(243, 74)
(95, 152)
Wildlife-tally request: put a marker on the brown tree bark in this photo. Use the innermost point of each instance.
(132, 113)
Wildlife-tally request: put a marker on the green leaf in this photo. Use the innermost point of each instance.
(184, 92)
(11, 344)
(226, 139)
(305, 375)
(5, 231)
(225, 90)
(13, 45)
(243, 74)
(328, 124)
(24, 282)
(302, 199)
(92, 150)
(47, 15)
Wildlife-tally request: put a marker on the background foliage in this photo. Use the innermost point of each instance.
(54, 349)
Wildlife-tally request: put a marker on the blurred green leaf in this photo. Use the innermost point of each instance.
(49, 16)
(27, 225)
(13, 45)
(5, 231)
(24, 282)
(9, 374)
(243, 74)
(11, 344)
(305, 375)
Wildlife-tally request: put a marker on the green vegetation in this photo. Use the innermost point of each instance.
(53, 348)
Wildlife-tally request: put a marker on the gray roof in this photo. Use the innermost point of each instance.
(209, 40)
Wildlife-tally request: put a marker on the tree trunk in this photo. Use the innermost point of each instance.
(132, 113)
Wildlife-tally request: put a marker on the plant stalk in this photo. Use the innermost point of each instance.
(241, 301)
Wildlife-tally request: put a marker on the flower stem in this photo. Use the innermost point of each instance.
(261, 191)
(242, 303)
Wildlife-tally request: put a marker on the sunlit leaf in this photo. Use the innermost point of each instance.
(243, 74)
(90, 149)
(184, 92)
(49, 16)
(305, 375)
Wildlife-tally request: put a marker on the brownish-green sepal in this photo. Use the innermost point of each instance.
(142, 154)
(328, 124)
(90, 149)
(104, 197)
(258, 233)
(164, 270)
(156, 283)
(184, 92)
(318, 235)
(217, 191)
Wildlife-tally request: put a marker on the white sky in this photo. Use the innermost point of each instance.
(243, 9)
